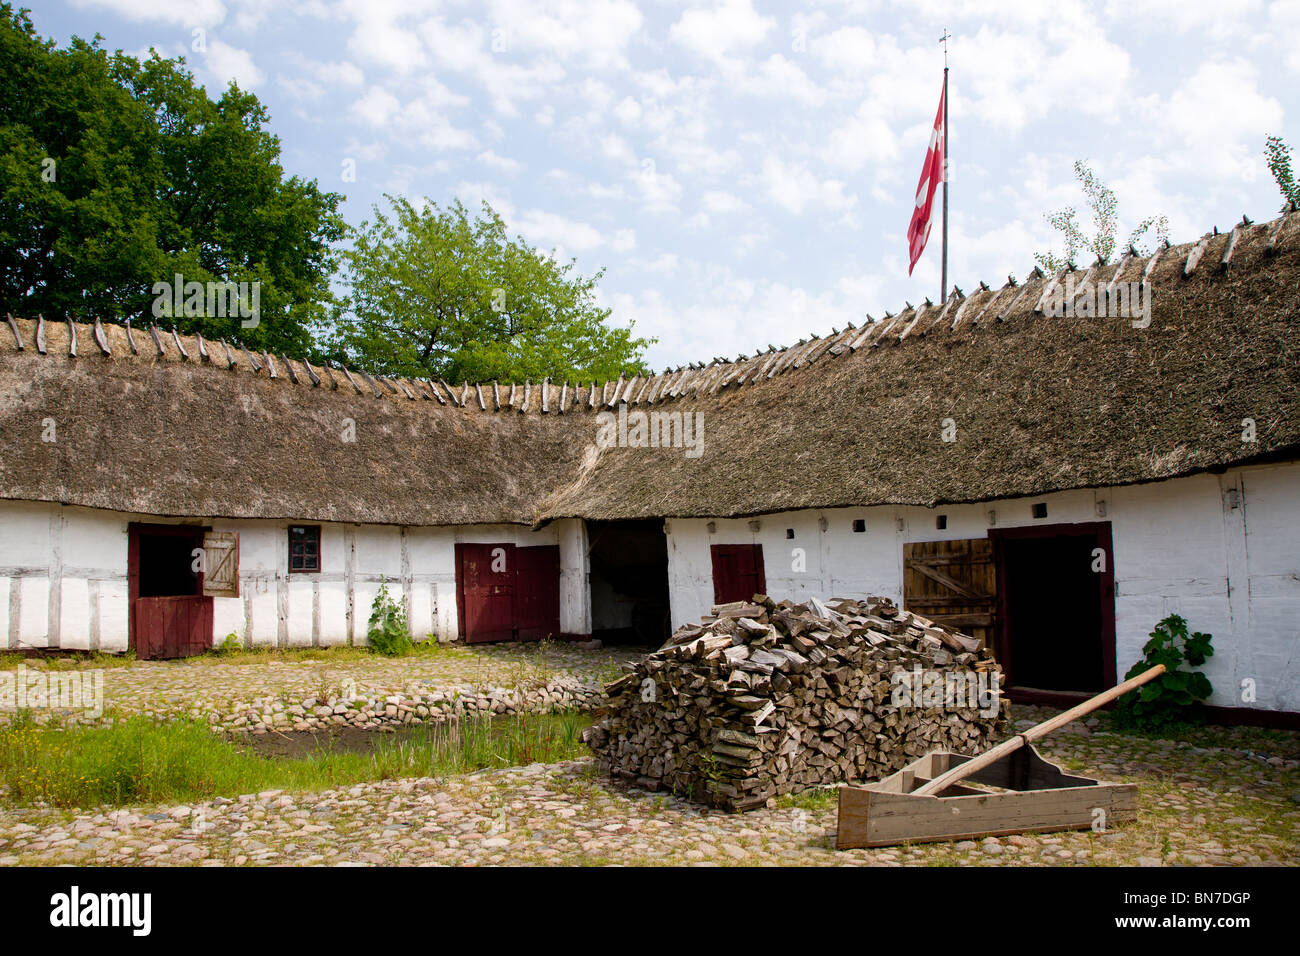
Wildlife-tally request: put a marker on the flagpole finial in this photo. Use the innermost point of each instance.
(944, 40)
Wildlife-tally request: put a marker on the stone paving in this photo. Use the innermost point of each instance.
(261, 692)
(1198, 805)
(1233, 801)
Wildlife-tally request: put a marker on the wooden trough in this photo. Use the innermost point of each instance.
(925, 801)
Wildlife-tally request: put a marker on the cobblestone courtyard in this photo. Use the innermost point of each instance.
(1229, 799)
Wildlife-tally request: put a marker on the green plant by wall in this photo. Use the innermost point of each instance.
(1171, 698)
(389, 634)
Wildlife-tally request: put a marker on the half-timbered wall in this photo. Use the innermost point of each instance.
(1218, 549)
(63, 578)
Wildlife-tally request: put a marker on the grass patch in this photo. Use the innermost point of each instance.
(138, 761)
(815, 798)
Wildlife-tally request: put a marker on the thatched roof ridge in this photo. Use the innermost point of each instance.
(1039, 404)
(850, 418)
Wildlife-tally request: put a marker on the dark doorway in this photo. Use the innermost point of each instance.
(1056, 607)
(629, 581)
(737, 572)
(507, 593)
(169, 615)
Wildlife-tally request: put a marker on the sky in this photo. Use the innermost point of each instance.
(745, 171)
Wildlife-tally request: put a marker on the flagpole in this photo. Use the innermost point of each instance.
(943, 281)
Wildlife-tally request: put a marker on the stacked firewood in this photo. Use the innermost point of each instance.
(762, 699)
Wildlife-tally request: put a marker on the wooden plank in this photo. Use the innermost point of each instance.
(1151, 264)
(269, 362)
(618, 388)
(1194, 257)
(564, 396)
(351, 381)
(130, 339)
(40, 334)
(311, 374)
(1232, 244)
(1037, 732)
(870, 818)
(230, 356)
(546, 399)
(528, 390)
(1049, 289)
(98, 333)
(987, 305)
(13, 327)
(203, 349)
(920, 314)
(1270, 244)
(72, 338)
(185, 356)
(293, 376)
(1015, 301)
(153, 332)
(478, 391)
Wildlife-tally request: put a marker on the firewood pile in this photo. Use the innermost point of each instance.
(762, 699)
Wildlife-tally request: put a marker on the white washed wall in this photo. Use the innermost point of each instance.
(63, 578)
(1180, 547)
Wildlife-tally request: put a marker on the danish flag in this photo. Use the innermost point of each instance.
(918, 232)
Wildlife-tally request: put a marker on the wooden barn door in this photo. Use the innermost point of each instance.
(170, 616)
(507, 593)
(171, 627)
(737, 572)
(537, 592)
(485, 591)
(953, 583)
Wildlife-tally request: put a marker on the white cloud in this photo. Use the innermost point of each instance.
(548, 230)
(792, 186)
(375, 107)
(186, 13)
(718, 34)
(1218, 120)
(503, 163)
(224, 63)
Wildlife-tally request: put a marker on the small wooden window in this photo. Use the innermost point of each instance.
(859, 525)
(941, 522)
(1040, 510)
(304, 548)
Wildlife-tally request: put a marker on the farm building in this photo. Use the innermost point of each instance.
(1053, 485)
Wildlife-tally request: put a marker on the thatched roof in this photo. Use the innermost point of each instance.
(1039, 404)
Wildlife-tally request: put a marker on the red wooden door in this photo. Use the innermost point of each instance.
(737, 572)
(171, 627)
(537, 592)
(485, 591)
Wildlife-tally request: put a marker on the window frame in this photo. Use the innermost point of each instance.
(320, 558)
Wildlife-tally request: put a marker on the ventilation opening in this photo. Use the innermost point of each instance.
(941, 522)
(789, 532)
(1040, 510)
(859, 525)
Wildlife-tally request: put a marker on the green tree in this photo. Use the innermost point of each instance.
(117, 173)
(435, 292)
(1101, 200)
(1278, 155)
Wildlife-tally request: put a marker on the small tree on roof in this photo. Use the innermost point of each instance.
(1101, 200)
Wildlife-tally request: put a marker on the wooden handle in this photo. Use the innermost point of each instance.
(961, 771)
